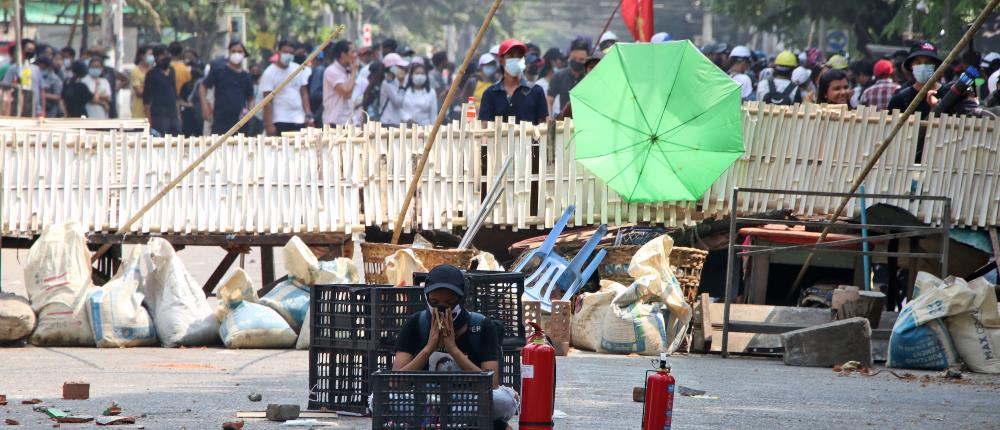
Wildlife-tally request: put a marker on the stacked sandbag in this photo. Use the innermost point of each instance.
(116, 313)
(245, 323)
(290, 298)
(920, 338)
(180, 311)
(976, 333)
(17, 320)
(57, 276)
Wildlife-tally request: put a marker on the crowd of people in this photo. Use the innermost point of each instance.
(179, 93)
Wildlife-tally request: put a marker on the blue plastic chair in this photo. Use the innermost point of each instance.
(555, 271)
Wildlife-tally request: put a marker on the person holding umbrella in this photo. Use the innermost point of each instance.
(512, 96)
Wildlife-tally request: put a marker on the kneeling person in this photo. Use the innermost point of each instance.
(446, 337)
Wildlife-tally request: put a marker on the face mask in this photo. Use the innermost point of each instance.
(301, 58)
(95, 72)
(419, 80)
(151, 60)
(514, 66)
(577, 66)
(395, 70)
(286, 59)
(67, 63)
(455, 310)
(489, 69)
(236, 57)
(922, 72)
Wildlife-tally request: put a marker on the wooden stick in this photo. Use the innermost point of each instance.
(221, 140)
(397, 228)
(895, 130)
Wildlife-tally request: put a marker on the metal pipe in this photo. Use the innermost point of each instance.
(730, 273)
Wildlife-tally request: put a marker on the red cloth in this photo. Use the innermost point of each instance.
(638, 16)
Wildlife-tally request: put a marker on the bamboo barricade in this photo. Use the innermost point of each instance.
(342, 179)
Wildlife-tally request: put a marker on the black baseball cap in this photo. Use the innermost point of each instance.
(448, 277)
(922, 49)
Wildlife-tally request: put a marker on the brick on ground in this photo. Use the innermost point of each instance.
(827, 345)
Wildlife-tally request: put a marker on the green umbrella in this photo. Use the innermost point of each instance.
(657, 122)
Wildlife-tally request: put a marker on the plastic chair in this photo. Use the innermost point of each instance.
(554, 271)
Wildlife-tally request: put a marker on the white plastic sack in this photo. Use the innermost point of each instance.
(290, 299)
(651, 315)
(487, 261)
(300, 262)
(57, 274)
(116, 313)
(17, 320)
(920, 339)
(339, 271)
(977, 333)
(589, 316)
(400, 265)
(180, 311)
(246, 324)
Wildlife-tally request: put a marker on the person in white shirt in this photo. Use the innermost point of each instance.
(739, 63)
(289, 111)
(99, 107)
(391, 96)
(419, 101)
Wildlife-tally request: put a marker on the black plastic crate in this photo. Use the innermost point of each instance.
(510, 368)
(439, 400)
(497, 295)
(355, 330)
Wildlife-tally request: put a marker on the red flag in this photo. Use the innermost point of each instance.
(638, 16)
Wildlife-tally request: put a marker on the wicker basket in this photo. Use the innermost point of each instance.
(687, 264)
(373, 256)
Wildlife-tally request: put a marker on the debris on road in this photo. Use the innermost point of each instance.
(232, 425)
(310, 423)
(76, 391)
(3, 400)
(112, 421)
(31, 402)
(12, 422)
(113, 410)
(950, 374)
(74, 419)
(55, 413)
(276, 412)
(255, 397)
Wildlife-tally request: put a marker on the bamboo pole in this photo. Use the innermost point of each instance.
(221, 140)
(895, 130)
(398, 226)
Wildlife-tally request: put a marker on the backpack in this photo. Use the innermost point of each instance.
(476, 322)
(785, 97)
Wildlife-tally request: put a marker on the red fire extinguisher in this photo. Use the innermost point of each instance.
(658, 409)
(538, 382)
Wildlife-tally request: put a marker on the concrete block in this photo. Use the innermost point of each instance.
(76, 391)
(282, 412)
(829, 344)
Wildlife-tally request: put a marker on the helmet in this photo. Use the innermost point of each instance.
(786, 59)
(740, 51)
(837, 62)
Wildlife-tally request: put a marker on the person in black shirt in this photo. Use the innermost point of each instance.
(159, 95)
(76, 94)
(446, 337)
(512, 96)
(233, 91)
(920, 63)
(565, 80)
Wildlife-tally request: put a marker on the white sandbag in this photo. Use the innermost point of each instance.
(303, 340)
(400, 265)
(246, 324)
(977, 333)
(300, 262)
(920, 339)
(57, 276)
(290, 299)
(180, 311)
(651, 315)
(590, 309)
(339, 271)
(487, 261)
(17, 320)
(116, 313)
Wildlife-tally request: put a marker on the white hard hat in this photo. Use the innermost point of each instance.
(801, 75)
(660, 37)
(740, 51)
(607, 36)
(992, 81)
(486, 58)
(989, 58)
(495, 50)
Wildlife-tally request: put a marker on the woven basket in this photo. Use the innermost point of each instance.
(687, 264)
(373, 257)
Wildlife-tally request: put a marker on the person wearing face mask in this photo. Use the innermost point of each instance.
(512, 96)
(50, 88)
(68, 58)
(446, 337)
(233, 89)
(419, 102)
(920, 63)
(339, 82)
(144, 60)
(482, 79)
(100, 105)
(564, 81)
(391, 92)
(159, 95)
(302, 51)
(290, 110)
(75, 93)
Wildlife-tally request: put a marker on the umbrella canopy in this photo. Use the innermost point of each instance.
(657, 122)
